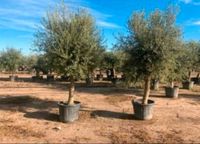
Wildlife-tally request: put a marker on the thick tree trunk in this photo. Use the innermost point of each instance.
(172, 84)
(189, 76)
(114, 72)
(71, 91)
(100, 75)
(146, 89)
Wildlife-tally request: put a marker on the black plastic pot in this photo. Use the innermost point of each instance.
(50, 77)
(188, 85)
(89, 81)
(68, 113)
(37, 78)
(64, 78)
(172, 92)
(99, 77)
(143, 112)
(114, 80)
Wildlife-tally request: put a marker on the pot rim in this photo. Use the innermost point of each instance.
(139, 101)
(64, 104)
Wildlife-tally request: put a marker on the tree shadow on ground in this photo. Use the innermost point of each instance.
(111, 114)
(194, 97)
(159, 96)
(111, 91)
(43, 115)
(31, 107)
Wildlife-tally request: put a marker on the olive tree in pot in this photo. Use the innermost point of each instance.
(10, 60)
(95, 62)
(172, 90)
(148, 47)
(175, 71)
(112, 62)
(70, 37)
(191, 62)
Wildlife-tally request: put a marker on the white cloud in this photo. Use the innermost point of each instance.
(24, 14)
(107, 24)
(196, 23)
(193, 2)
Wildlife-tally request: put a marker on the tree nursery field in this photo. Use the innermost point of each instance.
(138, 83)
(29, 113)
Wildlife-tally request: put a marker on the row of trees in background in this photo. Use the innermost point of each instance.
(12, 61)
(185, 59)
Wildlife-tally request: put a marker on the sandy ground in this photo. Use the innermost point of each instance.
(29, 113)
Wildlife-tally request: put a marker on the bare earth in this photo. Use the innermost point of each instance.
(29, 113)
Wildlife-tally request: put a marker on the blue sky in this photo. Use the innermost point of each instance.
(19, 18)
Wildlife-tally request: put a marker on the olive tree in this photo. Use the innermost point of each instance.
(95, 62)
(11, 59)
(191, 58)
(112, 60)
(30, 61)
(70, 38)
(150, 44)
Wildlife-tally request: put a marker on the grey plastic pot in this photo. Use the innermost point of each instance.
(13, 78)
(172, 92)
(141, 111)
(188, 85)
(69, 113)
(155, 85)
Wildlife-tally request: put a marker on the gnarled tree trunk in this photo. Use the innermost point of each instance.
(71, 91)
(147, 86)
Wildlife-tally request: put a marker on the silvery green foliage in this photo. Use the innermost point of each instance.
(70, 39)
(192, 55)
(10, 59)
(151, 43)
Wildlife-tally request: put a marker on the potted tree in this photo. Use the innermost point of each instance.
(112, 63)
(175, 71)
(149, 45)
(70, 38)
(172, 90)
(94, 64)
(191, 59)
(11, 59)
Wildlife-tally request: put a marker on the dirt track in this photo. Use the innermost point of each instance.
(29, 113)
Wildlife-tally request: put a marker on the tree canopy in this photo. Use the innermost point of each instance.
(11, 59)
(71, 38)
(150, 44)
